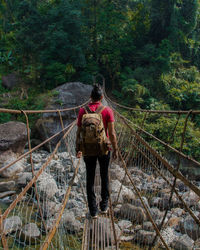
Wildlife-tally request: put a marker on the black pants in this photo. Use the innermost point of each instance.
(90, 162)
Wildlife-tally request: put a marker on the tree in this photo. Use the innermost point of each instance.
(160, 16)
(48, 40)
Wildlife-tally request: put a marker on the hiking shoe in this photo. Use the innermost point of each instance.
(105, 210)
(94, 215)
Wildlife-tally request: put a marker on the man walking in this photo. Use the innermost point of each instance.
(92, 142)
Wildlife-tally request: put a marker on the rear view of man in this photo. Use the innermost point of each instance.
(92, 118)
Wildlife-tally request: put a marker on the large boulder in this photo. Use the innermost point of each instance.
(144, 237)
(124, 224)
(68, 95)
(7, 186)
(30, 233)
(126, 194)
(6, 194)
(169, 235)
(190, 198)
(46, 186)
(12, 224)
(6, 158)
(13, 136)
(190, 227)
(183, 242)
(69, 222)
(50, 208)
(24, 178)
(133, 213)
(9, 81)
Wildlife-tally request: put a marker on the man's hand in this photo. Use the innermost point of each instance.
(114, 154)
(79, 154)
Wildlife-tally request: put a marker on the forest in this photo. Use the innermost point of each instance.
(147, 50)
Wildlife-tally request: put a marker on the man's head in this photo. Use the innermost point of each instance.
(96, 94)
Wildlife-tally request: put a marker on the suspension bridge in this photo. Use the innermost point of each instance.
(134, 205)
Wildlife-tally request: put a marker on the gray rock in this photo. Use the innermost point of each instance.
(133, 213)
(76, 179)
(155, 201)
(70, 95)
(37, 158)
(126, 194)
(79, 212)
(124, 224)
(47, 186)
(183, 242)
(137, 202)
(49, 223)
(60, 195)
(13, 136)
(138, 172)
(36, 167)
(136, 180)
(63, 156)
(137, 228)
(197, 244)
(127, 238)
(9, 81)
(56, 166)
(12, 224)
(190, 198)
(144, 237)
(30, 233)
(5, 194)
(147, 226)
(156, 213)
(129, 231)
(74, 203)
(149, 187)
(181, 186)
(116, 172)
(164, 192)
(7, 186)
(190, 227)
(178, 212)
(173, 222)
(69, 222)
(162, 203)
(162, 183)
(169, 235)
(117, 209)
(23, 178)
(7, 158)
(50, 208)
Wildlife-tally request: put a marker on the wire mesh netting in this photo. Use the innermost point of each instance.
(157, 206)
(28, 223)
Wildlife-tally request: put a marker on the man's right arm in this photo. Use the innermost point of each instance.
(113, 138)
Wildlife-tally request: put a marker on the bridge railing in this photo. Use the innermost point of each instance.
(41, 214)
(160, 191)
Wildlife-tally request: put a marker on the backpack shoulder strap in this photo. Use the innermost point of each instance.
(100, 109)
(88, 110)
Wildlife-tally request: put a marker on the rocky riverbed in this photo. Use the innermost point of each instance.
(132, 221)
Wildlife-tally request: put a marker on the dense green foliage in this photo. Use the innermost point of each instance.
(148, 50)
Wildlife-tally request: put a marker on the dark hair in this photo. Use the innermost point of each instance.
(96, 93)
